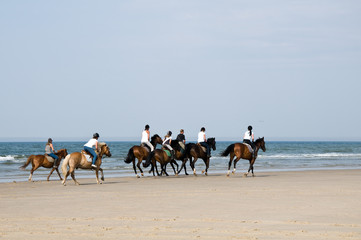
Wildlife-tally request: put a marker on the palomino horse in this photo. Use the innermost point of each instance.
(141, 154)
(78, 160)
(241, 150)
(42, 161)
(179, 154)
(195, 151)
(160, 156)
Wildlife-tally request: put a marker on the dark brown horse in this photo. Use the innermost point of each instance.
(241, 150)
(77, 160)
(180, 155)
(159, 155)
(141, 154)
(42, 161)
(195, 151)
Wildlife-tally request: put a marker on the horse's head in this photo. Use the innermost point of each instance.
(155, 139)
(261, 143)
(62, 153)
(212, 143)
(104, 149)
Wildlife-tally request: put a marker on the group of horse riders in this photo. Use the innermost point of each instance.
(170, 150)
(248, 138)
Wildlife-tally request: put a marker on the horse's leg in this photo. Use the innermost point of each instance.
(156, 168)
(165, 169)
(51, 172)
(35, 166)
(175, 162)
(57, 170)
(66, 175)
(251, 162)
(206, 162)
(102, 174)
(235, 164)
(135, 169)
(97, 176)
(171, 163)
(231, 156)
(140, 169)
(193, 165)
(71, 170)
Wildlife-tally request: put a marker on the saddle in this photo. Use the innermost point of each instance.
(143, 145)
(250, 149)
(87, 155)
(50, 159)
(204, 149)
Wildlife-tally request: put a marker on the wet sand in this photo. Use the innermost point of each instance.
(274, 205)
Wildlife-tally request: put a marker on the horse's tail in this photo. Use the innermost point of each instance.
(130, 157)
(228, 150)
(30, 159)
(64, 166)
(149, 158)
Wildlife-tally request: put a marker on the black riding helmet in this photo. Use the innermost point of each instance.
(95, 135)
(50, 140)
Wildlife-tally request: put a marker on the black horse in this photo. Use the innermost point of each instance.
(196, 151)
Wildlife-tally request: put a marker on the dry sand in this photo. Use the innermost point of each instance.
(282, 205)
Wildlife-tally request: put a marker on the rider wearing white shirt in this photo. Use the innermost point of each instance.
(146, 137)
(167, 143)
(248, 136)
(202, 140)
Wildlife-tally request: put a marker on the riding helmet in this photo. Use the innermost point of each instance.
(146, 127)
(170, 133)
(250, 128)
(50, 140)
(95, 135)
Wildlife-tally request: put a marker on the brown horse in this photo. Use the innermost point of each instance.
(77, 160)
(241, 150)
(159, 155)
(42, 161)
(141, 154)
(195, 151)
(180, 155)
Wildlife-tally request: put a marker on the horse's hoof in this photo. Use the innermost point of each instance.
(102, 179)
(142, 175)
(138, 176)
(177, 174)
(245, 175)
(206, 174)
(227, 175)
(202, 171)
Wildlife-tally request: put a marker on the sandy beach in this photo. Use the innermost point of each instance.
(275, 205)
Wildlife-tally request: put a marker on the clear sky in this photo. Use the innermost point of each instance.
(290, 68)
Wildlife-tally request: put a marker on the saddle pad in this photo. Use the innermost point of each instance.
(204, 149)
(167, 152)
(250, 149)
(50, 159)
(88, 157)
(145, 147)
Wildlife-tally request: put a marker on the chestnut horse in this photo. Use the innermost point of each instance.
(41, 161)
(77, 160)
(195, 151)
(141, 154)
(159, 155)
(240, 150)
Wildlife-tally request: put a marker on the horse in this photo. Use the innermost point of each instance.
(77, 160)
(141, 154)
(195, 151)
(160, 156)
(42, 161)
(241, 150)
(179, 154)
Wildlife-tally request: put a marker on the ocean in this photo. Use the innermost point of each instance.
(280, 156)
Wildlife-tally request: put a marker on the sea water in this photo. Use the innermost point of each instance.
(279, 156)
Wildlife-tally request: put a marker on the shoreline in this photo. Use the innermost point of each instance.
(272, 205)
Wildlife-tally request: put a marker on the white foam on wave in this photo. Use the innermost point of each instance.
(315, 155)
(7, 158)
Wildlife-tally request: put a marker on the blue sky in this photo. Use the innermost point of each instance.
(291, 69)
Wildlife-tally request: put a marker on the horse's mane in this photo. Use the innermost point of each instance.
(101, 144)
(259, 140)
